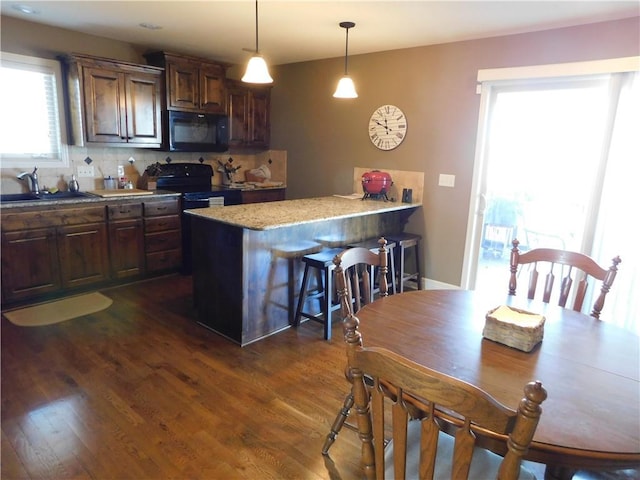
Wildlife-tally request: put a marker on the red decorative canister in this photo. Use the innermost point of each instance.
(376, 182)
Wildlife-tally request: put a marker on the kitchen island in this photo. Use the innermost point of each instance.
(240, 276)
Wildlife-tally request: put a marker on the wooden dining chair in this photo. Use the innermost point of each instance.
(355, 275)
(573, 266)
(418, 447)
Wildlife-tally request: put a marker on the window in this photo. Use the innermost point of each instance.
(32, 130)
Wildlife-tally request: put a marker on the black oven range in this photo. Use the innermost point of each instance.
(193, 181)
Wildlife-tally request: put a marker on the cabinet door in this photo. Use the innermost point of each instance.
(238, 116)
(29, 264)
(183, 86)
(143, 106)
(249, 123)
(83, 254)
(104, 106)
(212, 92)
(259, 124)
(126, 248)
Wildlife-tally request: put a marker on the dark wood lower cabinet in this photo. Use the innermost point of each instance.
(126, 239)
(82, 251)
(163, 237)
(126, 248)
(29, 263)
(49, 251)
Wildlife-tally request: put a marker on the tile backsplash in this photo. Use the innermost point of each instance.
(106, 161)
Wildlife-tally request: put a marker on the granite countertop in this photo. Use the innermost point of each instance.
(88, 198)
(270, 215)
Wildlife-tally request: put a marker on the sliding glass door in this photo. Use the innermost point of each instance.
(544, 152)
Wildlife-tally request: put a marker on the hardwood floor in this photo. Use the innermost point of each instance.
(141, 391)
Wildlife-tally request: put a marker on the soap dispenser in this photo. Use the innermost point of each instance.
(73, 184)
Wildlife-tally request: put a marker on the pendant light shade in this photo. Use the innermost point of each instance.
(346, 88)
(257, 70)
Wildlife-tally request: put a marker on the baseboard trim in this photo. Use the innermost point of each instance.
(429, 284)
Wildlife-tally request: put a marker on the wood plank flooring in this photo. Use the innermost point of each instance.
(141, 391)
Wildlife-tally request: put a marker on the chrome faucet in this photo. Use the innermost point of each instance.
(33, 176)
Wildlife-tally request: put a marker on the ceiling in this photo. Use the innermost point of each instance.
(295, 31)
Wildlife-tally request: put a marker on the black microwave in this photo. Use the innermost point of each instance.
(198, 132)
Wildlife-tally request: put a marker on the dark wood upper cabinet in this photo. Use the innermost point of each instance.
(198, 85)
(249, 115)
(192, 84)
(113, 103)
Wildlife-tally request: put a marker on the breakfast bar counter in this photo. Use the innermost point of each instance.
(246, 257)
(266, 216)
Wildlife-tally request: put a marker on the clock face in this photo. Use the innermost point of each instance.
(387, 127)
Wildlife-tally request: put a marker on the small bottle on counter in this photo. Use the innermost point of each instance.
(122, 177)
(73, 184)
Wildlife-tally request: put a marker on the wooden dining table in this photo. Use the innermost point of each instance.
(590, 368)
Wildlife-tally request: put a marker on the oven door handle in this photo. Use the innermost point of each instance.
(196, 203)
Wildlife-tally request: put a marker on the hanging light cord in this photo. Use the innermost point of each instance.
(346, 51)
(346, 26)
(257, 50)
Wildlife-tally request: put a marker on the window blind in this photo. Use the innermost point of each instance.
(30, 128)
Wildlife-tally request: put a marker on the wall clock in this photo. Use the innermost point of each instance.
(387, 127)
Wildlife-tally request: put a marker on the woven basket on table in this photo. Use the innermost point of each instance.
(514, 327)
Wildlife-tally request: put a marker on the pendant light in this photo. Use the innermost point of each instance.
(257, 70)
(346, 88)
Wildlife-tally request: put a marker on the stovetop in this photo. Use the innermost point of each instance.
(195, 177)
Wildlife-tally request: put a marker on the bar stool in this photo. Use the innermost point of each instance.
(406, 241)
(291, 252)
(322, 264)
(373, 245)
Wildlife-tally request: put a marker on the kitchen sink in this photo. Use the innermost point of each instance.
(18, 197)
(32, 197)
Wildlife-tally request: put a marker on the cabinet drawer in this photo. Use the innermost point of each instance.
(48, 218)
(170, 259)
(79, 216)
(27, 220)
(160, 224)
(125, 210)
(164, 207)
(156, 242)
